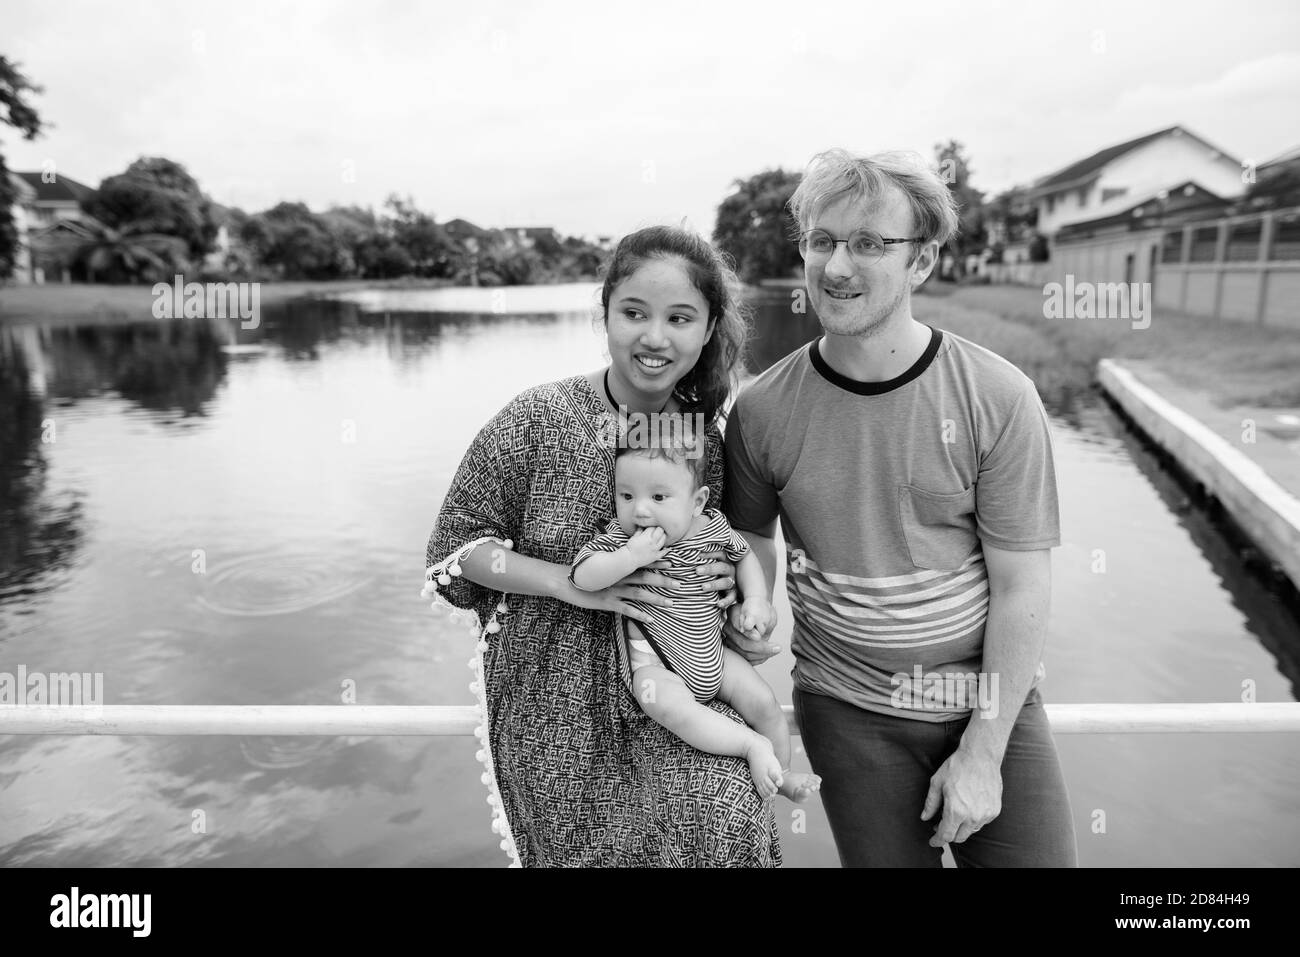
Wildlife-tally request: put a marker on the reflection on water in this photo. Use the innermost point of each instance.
(39, 531)
(170, 366)
(209, 514)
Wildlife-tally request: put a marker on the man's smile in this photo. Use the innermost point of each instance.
(842, 294)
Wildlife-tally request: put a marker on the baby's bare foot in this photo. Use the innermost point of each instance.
(799, 787)
(764, 767)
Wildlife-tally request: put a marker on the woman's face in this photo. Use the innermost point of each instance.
(656, 326)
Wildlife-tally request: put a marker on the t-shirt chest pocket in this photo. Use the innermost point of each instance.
(939, 528)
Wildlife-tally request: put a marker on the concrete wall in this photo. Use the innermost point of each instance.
(1262, 290)
(1266, 512)
(1103, 258)
(1020, 274)
(1281, 299)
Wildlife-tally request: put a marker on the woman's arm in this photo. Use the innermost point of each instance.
(500, 569)
(594, 570)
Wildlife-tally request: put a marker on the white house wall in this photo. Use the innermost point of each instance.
(1166, 162)
(1156, 165)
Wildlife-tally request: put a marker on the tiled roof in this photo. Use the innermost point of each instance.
(1077, 171)
(1290, 156)
(63, 189)
(1085, 168)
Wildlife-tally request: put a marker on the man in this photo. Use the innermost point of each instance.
(912, 473)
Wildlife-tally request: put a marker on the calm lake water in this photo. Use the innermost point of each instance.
(215, 525)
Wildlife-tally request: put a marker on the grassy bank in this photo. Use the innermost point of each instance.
(1236, 363)
(75, 303)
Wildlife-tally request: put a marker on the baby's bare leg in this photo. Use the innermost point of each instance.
(665, 698)
(748, 693)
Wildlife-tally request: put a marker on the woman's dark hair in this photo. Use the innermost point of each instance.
(706, 387)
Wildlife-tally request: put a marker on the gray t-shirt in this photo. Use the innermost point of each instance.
(885, 491)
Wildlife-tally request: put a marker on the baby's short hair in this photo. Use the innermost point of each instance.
(675, 439)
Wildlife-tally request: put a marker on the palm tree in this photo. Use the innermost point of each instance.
(136, 256)
(120, 255)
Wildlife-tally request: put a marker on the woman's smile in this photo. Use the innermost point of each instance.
(651, 361)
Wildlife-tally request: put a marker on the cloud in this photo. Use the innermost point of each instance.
(1252, 85)
(508, 112)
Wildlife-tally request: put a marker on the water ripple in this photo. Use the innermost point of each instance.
(281, 753)
(259, 585)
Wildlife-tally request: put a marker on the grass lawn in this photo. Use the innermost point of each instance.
(1236, 363)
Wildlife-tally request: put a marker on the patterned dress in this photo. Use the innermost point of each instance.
(582, 776)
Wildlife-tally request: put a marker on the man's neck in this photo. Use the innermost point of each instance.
(877, 358)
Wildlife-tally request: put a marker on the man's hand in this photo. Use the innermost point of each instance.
(755, 651)
(647, 546)
(970, 789)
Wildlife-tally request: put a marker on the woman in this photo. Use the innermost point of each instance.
(578, 774)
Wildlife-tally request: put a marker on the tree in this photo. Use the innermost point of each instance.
(130, 255)
(581, 259)
(382, 257)
(431, 252)
(505, 263)
(755, 227)
(297, 243)
(19, 114)
(954, 169)
(157, 195)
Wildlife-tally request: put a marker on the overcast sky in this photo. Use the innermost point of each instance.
(598, 118)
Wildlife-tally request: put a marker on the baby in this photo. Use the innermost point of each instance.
(678, 661)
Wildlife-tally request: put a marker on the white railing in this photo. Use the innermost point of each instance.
(1207, 718)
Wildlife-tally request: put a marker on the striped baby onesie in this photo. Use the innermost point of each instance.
(688, 636)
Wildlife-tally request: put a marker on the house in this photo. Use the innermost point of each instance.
(1117, 178)
(23, 214)
(465, 233)
(218, 258)
(1276, 182)
(43, 201)
(1125, 244)
(56, 198)
(1202, 253)
(527, 237)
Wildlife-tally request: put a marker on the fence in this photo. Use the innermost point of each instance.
(444, 720)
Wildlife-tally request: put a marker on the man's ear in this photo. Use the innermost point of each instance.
(701, 499)
(925, 262)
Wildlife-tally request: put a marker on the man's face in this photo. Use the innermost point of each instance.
(854, 300)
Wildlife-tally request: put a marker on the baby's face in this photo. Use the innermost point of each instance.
(650, 492)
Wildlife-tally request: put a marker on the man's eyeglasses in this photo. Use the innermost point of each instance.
(866, 247)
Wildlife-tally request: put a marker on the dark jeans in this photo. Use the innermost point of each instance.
(876, 768)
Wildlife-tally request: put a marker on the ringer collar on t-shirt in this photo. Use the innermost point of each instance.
(876, 388)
